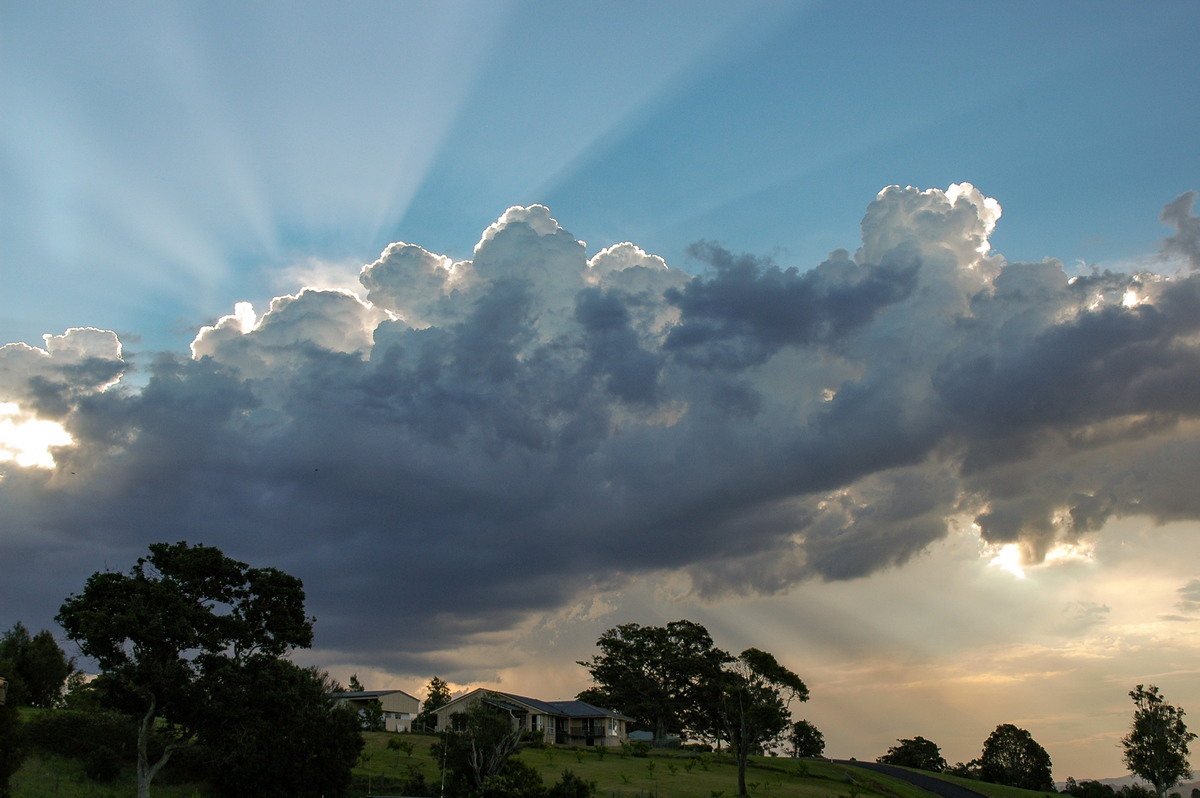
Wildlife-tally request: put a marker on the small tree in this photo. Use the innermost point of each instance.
(1011, 756)
(1156, 747)
(915, 753)
(437, 696)
(479, 744)
(36, 667)
(756, 694)
(806, 740)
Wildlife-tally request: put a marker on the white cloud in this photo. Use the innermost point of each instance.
(473, 444)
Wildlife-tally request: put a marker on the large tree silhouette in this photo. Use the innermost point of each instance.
(180, 614)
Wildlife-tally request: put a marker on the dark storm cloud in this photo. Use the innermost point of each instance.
(477, 441)
(750, 308)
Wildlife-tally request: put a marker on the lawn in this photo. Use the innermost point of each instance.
(668, 774)
(662, 774)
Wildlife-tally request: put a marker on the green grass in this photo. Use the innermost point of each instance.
(668, 774)
(664, 773)
(43, 776)
(995, 790)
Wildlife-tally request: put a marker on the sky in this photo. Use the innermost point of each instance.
(867, 334)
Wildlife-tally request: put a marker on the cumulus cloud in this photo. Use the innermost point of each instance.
(463, 444)
(1186, 241)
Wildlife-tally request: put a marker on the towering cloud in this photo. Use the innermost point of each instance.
(469, 442)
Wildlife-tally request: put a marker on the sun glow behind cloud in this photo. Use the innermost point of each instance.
(28, 441)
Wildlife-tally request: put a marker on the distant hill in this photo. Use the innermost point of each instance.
(1184, 789)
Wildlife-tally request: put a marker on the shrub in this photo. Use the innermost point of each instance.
(77, 734)
(572, 786)
(636, 748)
(103, 764)
(12, 745)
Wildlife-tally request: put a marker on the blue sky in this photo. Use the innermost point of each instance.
(872, 430)
(170, 158)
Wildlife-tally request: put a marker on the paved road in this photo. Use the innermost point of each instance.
(929, 783)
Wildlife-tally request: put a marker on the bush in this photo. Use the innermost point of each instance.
(77, 734)
(635, 748)
(12, 745)
(103, 764)
(515, 780)
(572, 786)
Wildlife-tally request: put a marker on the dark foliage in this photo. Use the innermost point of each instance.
(1011, 756)
(667, 678)
(274, 731)
(181, 615)
(756, 692)
(915, 753)
(1088, 789)
(438, 695)
(12, 745)
(477, 750)
(36, 667)
(806, 740)
(516, 779)
(76, 734)
(1156, 747)
(572, 786)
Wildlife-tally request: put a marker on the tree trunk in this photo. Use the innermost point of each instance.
(146, 771)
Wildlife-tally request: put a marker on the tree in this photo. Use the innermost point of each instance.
(437, 696)
(915, 753)
(1011, 756)
(479, 743)
(1156, 747)
(806, 740)
(179, 616)
(309, 754)
(355, 684)
(663, 677)
(756, 692)
(36, 667)
(1088, 789)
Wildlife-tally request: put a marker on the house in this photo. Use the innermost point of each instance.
(560, 722)
(398, 706)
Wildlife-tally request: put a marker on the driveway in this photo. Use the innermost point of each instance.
(927, 783)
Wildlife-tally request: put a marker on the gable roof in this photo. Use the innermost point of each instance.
(582, 709)
(566, 709)
(369, 694)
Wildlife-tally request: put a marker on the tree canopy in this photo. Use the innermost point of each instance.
(437, 696)
(182, 614)
(1156, 747)
(661, 676)
(916, 752)
(478, 746)
(36, 667)
(1011, 756)
(756, 693)
(806, 740)
(274, 730)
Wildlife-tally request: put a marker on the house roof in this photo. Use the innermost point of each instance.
(568, 709)
(368, 693)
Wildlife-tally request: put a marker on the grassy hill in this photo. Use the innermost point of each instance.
(664, 773)
(661, 774)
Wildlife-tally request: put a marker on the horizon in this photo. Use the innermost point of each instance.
(866, 336)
